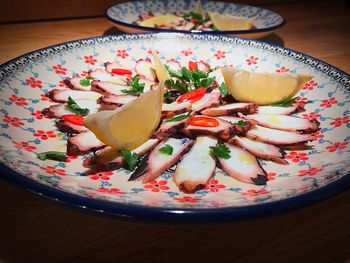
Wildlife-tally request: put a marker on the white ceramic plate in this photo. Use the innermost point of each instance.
(312, 174)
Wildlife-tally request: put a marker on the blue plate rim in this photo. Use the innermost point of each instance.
(177, 215)
(153, 29)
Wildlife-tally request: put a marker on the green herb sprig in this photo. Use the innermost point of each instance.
(75, 108)
(221, 151)
(131, 159)
(223, 89)
(179, 117)
(167, 149)
(285, 103)
(136, 86)
(52, 155)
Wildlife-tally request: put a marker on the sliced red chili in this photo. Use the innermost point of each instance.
(192, 66)
(195, 21)
(74, 119)
(204, 121)
(192, 96)
(121, 71)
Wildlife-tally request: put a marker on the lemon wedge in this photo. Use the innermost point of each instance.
(130, 125)
(161, 72)
(227, 22)
(160, 20)
(262, 88)
(199, 8)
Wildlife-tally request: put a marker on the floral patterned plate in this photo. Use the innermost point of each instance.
(313, 174)
(122, 15)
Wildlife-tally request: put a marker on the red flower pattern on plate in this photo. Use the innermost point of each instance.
(111, 191)
(214, 186)
(254, 192)
(340, 121)
(44, 97)
(54, 171)
(188, 199)
(252, 60)
(337, 146)
(18, 101)
(310, 85)
(301, 100)
(310, 172)
(44, 135)
(39, 115)
(150, 50)
(328, 102)
(84, 73)
(282, 69)
(187, 52)
(59, 69)
(23, 145)
(317, 135)
(122, 53)
(62, 84)
(13, 121)
(297, 157)
(271, 176)
(220, 54)
(34, 83)
(70, 158)
(311, 116)
(101, 175)
(155, 186)
(90, 60)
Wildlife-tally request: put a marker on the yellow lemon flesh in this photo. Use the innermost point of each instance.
(262, 88)
(227, 22)
(160, 20)
(130, 125)
(161, 72)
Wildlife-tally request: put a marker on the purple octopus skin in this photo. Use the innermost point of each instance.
(68, 127)
(231, 109)
(83, 143)
(59, 95)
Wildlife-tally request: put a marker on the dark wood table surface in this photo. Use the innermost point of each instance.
(33, 229)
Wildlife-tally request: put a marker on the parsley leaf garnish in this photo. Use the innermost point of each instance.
(52, 155)
(167, 149)
(84, 82)
(173, 73)
(177, 85)
(179, 117)
(223, 89)
(285, 103)
(221, 151)
(130, 158)
(75, 108)
(241, 123)
(193, 15)
(136, 86)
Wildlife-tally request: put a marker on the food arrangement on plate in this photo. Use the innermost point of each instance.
(190, 119)
(194, 16)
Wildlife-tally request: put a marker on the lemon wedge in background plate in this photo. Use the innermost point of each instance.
(130, 125)
(160, 20)
(262, 88)
(227, 22)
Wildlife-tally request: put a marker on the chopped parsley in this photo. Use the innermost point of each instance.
(179, 117)
(167, 149)
(75, 108)
(136, 86)
(285, 103)
(52, 155)
(223, 89)
(131, 159)
(200, 19)
(84, 82)
(221, 151)
(241, 123)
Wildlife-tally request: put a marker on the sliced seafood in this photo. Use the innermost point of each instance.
(280, 110)
(171, 109)
(277, 137)
(203, 66)
(174, 65)
(208, 100)
(66, 126)
(145, 68)
(116, 100)
(107, 87)
(243, 166)
(59, 95)
(232, 108)
(223, 129)
(76, 82)
(156, 162)
(259, 149)
(196, 167)
(285, 122)
(102, 75)
(57, 110)
(83, 143)
(111, 66)
(108, 158)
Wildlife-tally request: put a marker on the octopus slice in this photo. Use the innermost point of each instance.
(174, 65)
(66, 126)
(102, 75)
(59, 95)
(171, 109)
(259, 149)
(108, 87)
(232, 108)
(108, 159)
(57, 110)
(224, 130)
(285, 122)
(208, 100)
(203, 66)
(83, 143)
(145, 68)
(196, 167)
(277, 137)
(109, 66)
(74, 83)
(279, 110)
(240, 125)
(156, 162)
(243, 166)
(116, 100)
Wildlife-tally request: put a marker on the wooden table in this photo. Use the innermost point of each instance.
(33, 229)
